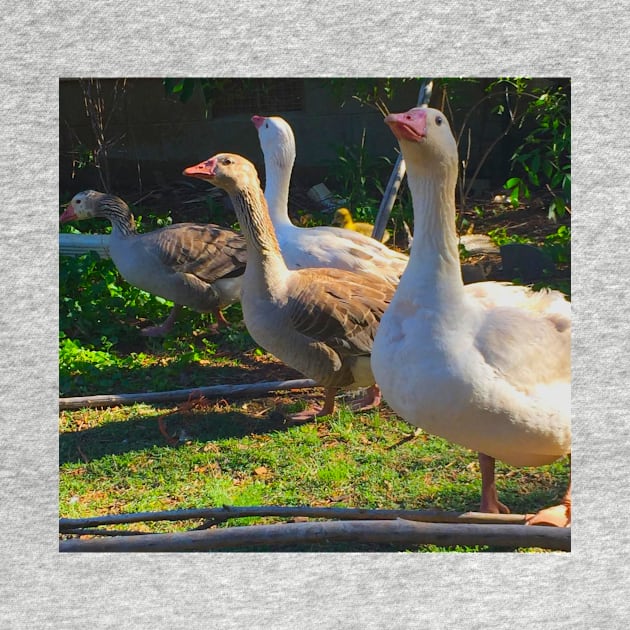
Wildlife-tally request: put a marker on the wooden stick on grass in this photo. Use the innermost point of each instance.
(398, 532)
(222, 514)
(178, 395)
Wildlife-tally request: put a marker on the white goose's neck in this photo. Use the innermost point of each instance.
(434, 256)
(278, 176)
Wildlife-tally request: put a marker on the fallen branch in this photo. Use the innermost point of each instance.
(222, 514)
(88, 531)
(177, 395)
(396, 532)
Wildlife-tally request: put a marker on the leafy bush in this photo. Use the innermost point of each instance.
(540, 112)
(357, 176)
(543, 159)
(557, 244)
(96, 303)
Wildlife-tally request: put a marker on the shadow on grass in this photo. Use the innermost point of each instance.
(534, 496)
(88, 379)
(142, 433)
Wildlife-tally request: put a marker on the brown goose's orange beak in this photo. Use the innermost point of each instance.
(204, 170)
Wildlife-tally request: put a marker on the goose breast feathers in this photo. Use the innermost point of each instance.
(485, 365)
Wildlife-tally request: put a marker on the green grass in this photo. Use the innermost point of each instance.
(161, 365)
(116, 461)
(238, 452)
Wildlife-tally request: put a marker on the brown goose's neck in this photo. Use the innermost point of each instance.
(118, 213)
(253, 216)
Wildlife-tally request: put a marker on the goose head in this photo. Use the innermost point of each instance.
(430, 152)
(276, 140)
(228, 171)
(425, 139)
(87, 205)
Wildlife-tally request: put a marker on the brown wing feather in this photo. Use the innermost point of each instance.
(339, 308)
(208, 251)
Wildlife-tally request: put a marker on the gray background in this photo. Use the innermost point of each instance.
(41, 42)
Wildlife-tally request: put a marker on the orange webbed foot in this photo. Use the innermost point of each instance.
(555, 516)
(370, 400)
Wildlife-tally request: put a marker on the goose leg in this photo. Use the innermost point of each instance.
(165, 327)
(315, 411)
(370, 400)
(489, 498)
(221, 321)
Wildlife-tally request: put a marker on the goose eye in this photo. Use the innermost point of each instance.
(78, 201)
(266, 125)
(227, 161)
(438, 120)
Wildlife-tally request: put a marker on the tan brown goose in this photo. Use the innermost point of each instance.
(198, 266)
(319, 321)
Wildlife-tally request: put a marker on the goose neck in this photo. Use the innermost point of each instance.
(120, 216)
(278, 177)
(435, 252)
(262, 245)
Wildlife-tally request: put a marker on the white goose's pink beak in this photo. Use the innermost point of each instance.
(411, 125)
(258, 121)
(204, 170)
(68, 215)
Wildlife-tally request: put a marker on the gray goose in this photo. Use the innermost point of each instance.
(319, 321)
(198, 266)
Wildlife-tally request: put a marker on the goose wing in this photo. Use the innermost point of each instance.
(338, 308)
(208, 252)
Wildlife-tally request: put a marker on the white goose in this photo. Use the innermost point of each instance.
(199, 266)
(484, 365)
(323, 246)
(319, 321)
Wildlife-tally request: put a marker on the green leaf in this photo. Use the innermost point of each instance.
(533, 176)
(187, 90)
(536, 163)
(172, 86)
(560, 207)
